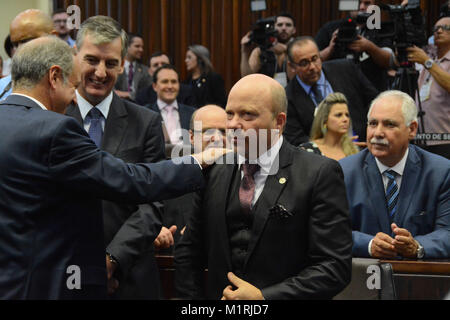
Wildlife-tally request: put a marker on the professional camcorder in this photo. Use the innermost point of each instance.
(264, 34)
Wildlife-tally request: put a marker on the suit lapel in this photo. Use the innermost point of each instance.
(184, 117)
(374, 184)
(115, 125)
(309, 105)
(410, 180)
(74, 112)
(271, 192)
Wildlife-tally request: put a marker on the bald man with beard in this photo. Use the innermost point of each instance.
(27, 25)
(271, 224)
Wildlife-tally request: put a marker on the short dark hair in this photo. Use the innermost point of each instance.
(165, 66)
(298, 41)
(58, 11)
(287, 15)
(159, 54)
(131, 37)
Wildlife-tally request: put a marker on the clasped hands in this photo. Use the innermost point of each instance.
(403, 244)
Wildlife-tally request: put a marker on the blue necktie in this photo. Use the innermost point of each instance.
(95, 129)
(317, 94)
(391, 192)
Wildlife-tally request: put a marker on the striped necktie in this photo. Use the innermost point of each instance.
(391, 192)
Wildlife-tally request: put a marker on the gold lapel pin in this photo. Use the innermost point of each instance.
(282, 180)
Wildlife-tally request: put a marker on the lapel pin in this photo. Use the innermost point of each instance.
(282, 180)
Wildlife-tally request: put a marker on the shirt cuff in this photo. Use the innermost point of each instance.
(196, 161)
(370, 246)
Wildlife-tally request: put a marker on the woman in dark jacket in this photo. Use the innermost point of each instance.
(208, 86)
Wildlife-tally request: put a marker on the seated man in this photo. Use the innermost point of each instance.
(398, 193)
(262, 227)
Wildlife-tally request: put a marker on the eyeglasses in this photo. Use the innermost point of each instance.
(63, 21)
(16, 44)
(305, 62)
(208, 133)
(444, 27)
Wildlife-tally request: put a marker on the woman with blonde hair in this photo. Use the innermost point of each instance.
(331, 129)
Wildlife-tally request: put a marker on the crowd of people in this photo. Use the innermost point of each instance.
(313, 152)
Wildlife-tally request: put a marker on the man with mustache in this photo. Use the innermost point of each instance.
(398, 193)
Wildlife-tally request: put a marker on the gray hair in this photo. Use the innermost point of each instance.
(409, 108)
(103, 30)
(203, 58)
(34, 59)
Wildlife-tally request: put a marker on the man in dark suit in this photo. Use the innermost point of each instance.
(398, 193)
(274, 223)
(133, 134)
(176, 116)
(146, 94)
(135, 74)
(314, 82)
(53, 177)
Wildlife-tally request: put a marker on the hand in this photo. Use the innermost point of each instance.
(183, 230)
(210, 155)
(112, 282)
(333, 39)
(383, 246)
(112, 285)
(416, 54)
(123, 94)
(279, 48)
(245, 41)
(244, 291)
(404, 242)
(165, 238)
(360, 45)
(357, 143)
(404, 3)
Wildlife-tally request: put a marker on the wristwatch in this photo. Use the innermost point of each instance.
(428, 64)
(420, 251)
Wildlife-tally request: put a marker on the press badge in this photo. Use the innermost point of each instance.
(281, 78)
(425, 91)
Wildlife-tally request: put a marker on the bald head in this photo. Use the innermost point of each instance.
(213, 121)
(258, 87)
(30, 24)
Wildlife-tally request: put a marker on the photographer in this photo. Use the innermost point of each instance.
(434, 86)
(251, 61)
(369, 52)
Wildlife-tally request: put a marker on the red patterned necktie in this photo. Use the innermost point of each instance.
(247, 188)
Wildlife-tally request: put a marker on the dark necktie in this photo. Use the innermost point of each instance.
(95, 129)
(391, 192)
(130, 78)
(247, 188)
(317, 94)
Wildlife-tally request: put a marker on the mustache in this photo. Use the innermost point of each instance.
(379, 141)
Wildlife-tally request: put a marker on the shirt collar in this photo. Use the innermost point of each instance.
(31, 98)
(85, 106)
(398, 168)
(267, 159)
(161, 104)
(307, 87)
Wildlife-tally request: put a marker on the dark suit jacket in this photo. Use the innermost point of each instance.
(304, 256)
(141, 78)
(209, 89)
(147, 95)
(53, 177)
(133, 134)
(423, 203)
(343, 76)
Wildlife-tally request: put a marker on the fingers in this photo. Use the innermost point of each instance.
(228, 293)
(183, 230)
(235, 280)
(173, 229)
(382, 246)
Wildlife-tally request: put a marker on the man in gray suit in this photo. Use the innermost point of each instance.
(135, 74)
(131, 133)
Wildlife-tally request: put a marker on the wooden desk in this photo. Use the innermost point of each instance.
(421, 279)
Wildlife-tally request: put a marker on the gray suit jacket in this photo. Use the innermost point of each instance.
(141, 79)
(133, 134)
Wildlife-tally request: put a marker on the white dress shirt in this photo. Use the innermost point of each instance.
(38, 102)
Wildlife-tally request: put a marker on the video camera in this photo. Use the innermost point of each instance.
(407, 29)
(264, 34)
(348, 32)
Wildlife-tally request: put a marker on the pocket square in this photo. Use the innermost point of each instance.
(280, 212)
(422, 213)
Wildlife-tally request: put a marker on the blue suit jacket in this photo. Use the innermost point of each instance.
(423, 204)
(52, 177)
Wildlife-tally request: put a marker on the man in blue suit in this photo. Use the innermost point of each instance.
(53, 177)
(398, 193)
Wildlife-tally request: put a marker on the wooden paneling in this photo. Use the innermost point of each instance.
(172, 25)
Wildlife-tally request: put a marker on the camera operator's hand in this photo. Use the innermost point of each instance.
(245, 41)
(416, 54)
(279, 48)
(361, 45)
(326, 53)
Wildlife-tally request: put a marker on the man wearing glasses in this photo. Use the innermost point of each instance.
(434, 86)
(314, 81)
(60, 17)
(26, 26)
